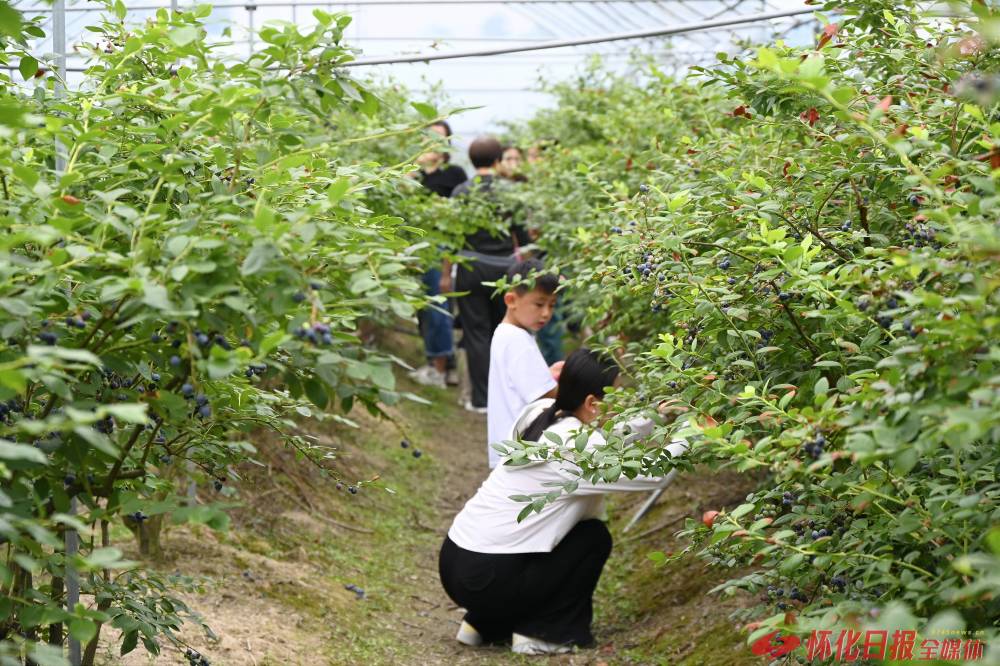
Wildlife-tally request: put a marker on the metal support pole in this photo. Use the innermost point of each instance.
(72, 583)
(59, 49)
(173, 6)
(250, 11)
(72, 539)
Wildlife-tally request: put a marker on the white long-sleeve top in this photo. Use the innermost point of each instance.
(488, 522)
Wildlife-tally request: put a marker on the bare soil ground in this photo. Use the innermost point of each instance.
(275, 582)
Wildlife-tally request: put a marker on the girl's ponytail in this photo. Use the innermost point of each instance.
(542, 422)
(584, 373)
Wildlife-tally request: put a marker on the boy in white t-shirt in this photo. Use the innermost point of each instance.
(518, 373)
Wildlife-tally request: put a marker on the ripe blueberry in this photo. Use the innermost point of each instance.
(417, 453)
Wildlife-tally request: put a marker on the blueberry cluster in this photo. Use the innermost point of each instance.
(814, 447)
(138, 517)
(317, 334)
(775, 592)
(885, 317)
(765, 338)
(9, 408)
(105, 425)
(616, 230)
(725, 264)
(255, 370)
(206, 340)
(195, 658)
(815, 531)
(202, 409)
(921, 235)
(358, 592)
(788, 499)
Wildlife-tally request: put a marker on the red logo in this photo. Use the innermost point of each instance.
(765, 646)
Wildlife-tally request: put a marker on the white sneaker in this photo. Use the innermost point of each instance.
(526, 645)
(428, 376)
(469, 407)
(467, 635)
(451, 377)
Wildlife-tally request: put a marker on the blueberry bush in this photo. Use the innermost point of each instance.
(192, 248)
(798, 248)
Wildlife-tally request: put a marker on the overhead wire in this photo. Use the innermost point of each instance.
(584, 41)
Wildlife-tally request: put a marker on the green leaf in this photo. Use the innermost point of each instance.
(129, 641)
(261, 254)
(742, 510)
(155, 296)
(337, 190)
(129, 412)
(183, 35)
(106, 558)
(424, 109)
(316, 393)
(27, 67)
(10, 20)
(81, 629)
(16, 307)
(14, 451)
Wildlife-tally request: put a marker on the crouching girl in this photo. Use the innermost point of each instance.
(531, 583)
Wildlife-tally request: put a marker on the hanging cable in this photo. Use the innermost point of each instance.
(583, 41)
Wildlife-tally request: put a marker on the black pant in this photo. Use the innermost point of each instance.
(540, 595)
(481, 313)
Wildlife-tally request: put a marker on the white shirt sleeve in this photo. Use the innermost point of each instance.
(531, 378)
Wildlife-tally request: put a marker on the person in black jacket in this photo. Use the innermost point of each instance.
(441, 177)
(489, 255)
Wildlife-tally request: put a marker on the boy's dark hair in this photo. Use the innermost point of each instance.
(584, 373)
(546, 282)
(447, 133)
(485, 151)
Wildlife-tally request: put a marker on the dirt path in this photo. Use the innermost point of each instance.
(275, 585)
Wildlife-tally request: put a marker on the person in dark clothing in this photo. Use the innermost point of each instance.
(436, 171)
(488, 255)
(441, 177)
